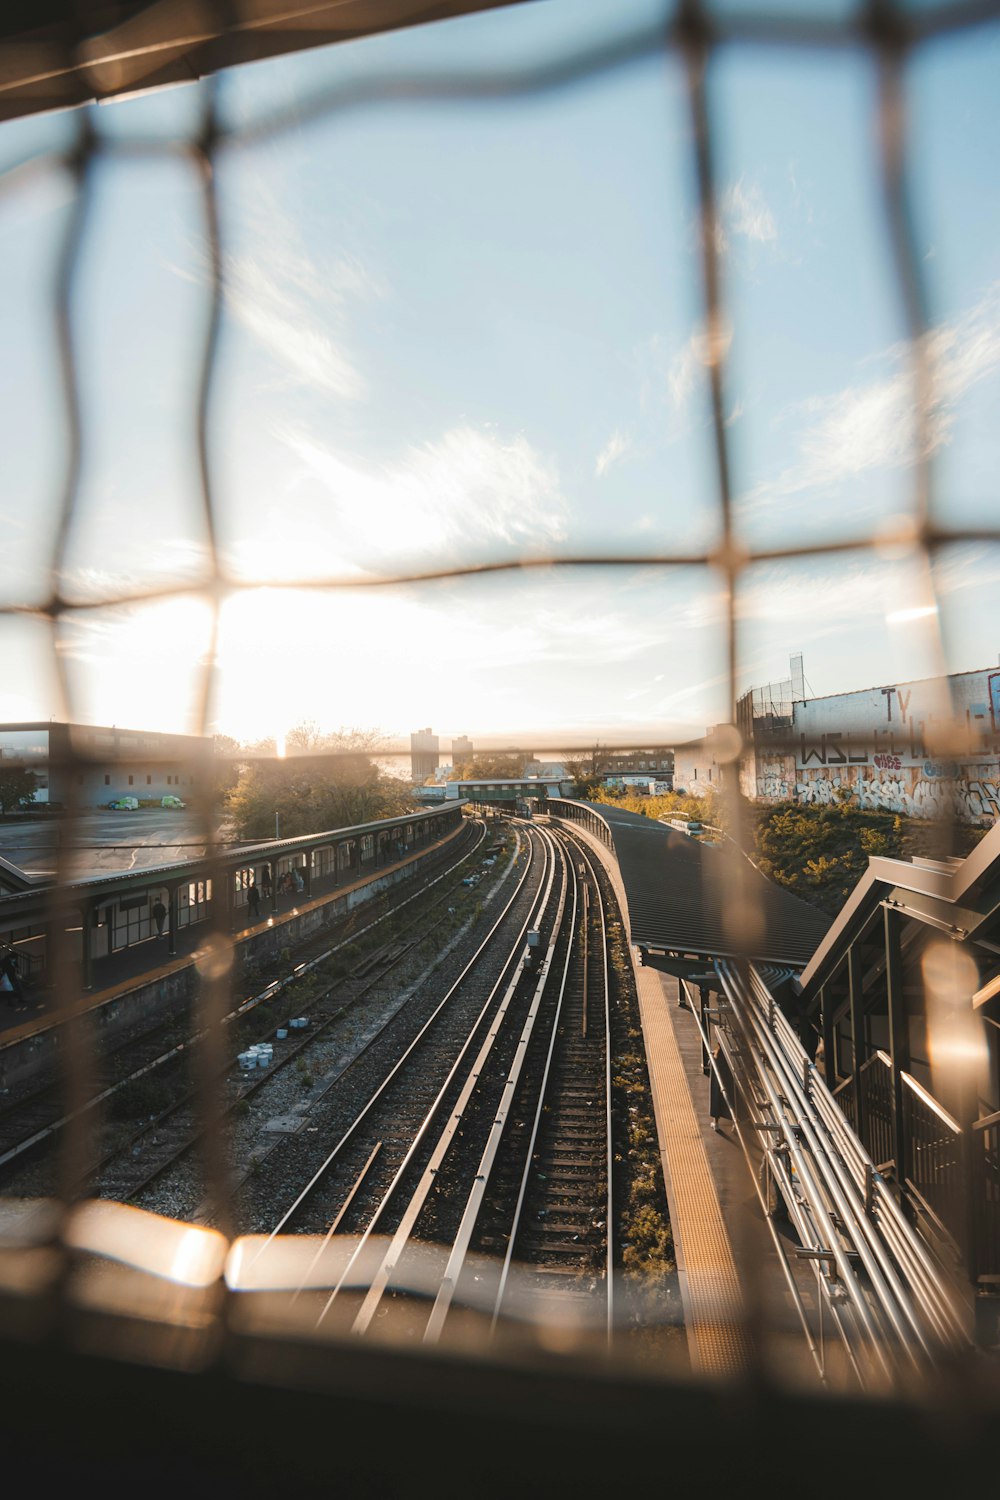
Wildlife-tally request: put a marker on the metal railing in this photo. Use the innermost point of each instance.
(986, 1149)
(877, 1109)
(934, 1151)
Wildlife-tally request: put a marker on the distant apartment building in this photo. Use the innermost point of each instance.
(631, 767)
(651, 761)
(424, 755)
(923, 748)
(89, 765)
(461, 750)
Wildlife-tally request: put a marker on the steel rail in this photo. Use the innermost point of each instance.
(892, 1297)
(815, 1196)
(838, 1199)
(470, 1215)
(177, 1153)
(794, 1290)
(336, 1220)
(522, 1192)
(609, 1216)
(573, 844)
(383, 1273)
(321, 1171)
(905, 1246)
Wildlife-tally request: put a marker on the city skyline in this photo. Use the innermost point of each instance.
(472, 333)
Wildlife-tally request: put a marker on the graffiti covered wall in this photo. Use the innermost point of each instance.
(876, 748)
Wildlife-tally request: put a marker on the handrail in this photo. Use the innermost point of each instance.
(913, 1302)
(931, 1102)
(878, 1056)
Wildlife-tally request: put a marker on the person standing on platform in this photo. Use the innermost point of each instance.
(720, 1087)
(265, 881)
(159, 916)
(10, 979)
(253, 901)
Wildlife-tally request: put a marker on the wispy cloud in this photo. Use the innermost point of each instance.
(872, 426)
(469, 492)
(742, 213)
(745, 212)
(615, 448)
(294, 303)
(702, 350)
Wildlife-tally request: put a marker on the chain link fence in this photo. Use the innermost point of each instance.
(698, 36)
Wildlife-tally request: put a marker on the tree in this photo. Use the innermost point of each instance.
(17, 788)
(707, 809)
(587, 771)
(489, 767)
(226, 766)
(323, 781)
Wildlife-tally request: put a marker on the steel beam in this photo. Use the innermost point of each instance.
(859, 1040)
(829, 1049)
(899, 1042)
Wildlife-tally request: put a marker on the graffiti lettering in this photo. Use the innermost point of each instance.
(946, 768)
(812, 753)
(993, 682)
(773, 788)
(828, 753)
(902, 790)
(904, 703)
(888, 762)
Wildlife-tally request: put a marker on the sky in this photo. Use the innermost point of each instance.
(472, 330)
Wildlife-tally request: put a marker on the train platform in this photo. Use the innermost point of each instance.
(739, 1315)
(145, 960)
(150, 958)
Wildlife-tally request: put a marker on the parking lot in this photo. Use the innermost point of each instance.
(102, 841)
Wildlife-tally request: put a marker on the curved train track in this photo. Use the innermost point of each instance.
(477, 1168)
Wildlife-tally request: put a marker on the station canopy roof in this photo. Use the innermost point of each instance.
(58, 53)
(681, 898)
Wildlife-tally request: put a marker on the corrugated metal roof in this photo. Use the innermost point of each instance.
(677, 896)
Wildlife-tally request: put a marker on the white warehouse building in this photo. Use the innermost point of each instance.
(921, 748)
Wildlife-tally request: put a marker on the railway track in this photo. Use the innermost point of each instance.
(446, 1183)
(388, 1091)
(562, 1223)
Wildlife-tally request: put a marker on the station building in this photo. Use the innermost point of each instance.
(90, 766)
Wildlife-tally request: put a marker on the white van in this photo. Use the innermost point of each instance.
(124, 804)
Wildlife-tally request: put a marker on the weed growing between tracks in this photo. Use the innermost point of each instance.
(647, 1267)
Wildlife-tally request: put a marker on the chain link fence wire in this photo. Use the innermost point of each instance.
(697, 34)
